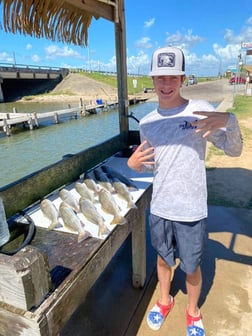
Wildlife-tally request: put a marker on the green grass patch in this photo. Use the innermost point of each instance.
(142, 81)
(242, 106)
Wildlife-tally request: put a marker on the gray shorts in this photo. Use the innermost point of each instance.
(189, 238)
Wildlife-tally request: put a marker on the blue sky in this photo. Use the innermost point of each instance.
(210, 34)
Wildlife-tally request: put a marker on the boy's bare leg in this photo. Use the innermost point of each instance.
(164, 276)
(193, 285)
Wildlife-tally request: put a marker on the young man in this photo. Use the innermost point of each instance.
(173, 145)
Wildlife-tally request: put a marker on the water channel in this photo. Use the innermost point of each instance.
(27, 151)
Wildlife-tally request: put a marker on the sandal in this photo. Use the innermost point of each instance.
(194, 325)
(158, 314)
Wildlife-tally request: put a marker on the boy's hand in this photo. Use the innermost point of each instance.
(212, 122)
(141, 157)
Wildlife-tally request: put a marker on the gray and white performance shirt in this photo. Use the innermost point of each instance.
(179, 185)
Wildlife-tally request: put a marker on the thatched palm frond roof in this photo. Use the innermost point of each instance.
(65, 21)
(247, 68)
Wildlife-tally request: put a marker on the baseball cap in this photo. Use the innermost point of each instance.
(168, 61)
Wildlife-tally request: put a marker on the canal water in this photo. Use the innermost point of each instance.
(27, 151)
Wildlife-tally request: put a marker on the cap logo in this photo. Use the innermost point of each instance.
(166, 60)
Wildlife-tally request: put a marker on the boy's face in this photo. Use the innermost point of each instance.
(168, 90)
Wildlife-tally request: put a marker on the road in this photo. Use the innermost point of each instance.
(213, 91)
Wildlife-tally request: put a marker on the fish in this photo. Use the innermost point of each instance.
(124, 193)
(103, 180)
(90, 181)
(50, 211)
(67, 197)
(84, 191)
(115, 174)
(110, 206)
(90, 211)
(72, 221)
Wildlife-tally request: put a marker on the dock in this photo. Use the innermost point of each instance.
(33, 120)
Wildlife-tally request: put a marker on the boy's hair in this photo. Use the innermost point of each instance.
(168, 61)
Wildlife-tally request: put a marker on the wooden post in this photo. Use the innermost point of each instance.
(123, 102)
(6, 127)
(56, 117)
(25, 278)
(84, 111)
(81, 105)
(30, 122)
(35, 117)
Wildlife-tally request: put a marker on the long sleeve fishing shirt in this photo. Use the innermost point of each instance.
(179, 185)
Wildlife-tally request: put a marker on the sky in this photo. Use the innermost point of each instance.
(209, 32)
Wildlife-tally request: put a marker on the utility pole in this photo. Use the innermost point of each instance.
(14, 58)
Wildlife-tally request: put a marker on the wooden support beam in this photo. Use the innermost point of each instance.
(25, 278)
(103, 8)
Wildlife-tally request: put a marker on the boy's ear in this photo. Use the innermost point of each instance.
(183, 78)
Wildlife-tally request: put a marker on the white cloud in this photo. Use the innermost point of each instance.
(28, 46)
(228, 52)
(35, 58)
(53, 51)
(149, 23)
(139, 64)
(143, 43)
(249, 21)
(4, 57)
(186, 41)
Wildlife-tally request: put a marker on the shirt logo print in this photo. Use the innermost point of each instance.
(187, 125)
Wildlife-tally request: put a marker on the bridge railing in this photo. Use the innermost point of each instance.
(9, 67)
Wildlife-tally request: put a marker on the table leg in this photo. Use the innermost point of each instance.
(139, 249)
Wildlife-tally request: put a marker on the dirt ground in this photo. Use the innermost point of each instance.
(229, 179)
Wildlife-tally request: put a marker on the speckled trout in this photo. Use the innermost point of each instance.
(84, 191)
(69, 198)
(72, 221)
(50, 211)
(90, 181)
(110, 206)
(124, 193)
(90, 211)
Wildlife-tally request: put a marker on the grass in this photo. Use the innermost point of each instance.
(142, 81)
(242, 107)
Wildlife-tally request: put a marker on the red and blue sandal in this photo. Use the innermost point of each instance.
(158, 314)
(194, 325)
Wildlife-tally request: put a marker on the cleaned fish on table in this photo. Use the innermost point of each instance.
(50, 211)
(103, 180)
(124, 193)
(84, 191)
(115, 174)
(90, 181)
(69, 198)
(110, 206)
(91, 213)
(72, 222)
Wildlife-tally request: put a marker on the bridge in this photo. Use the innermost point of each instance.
(20, 76)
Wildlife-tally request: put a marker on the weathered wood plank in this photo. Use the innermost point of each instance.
(25, 279)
